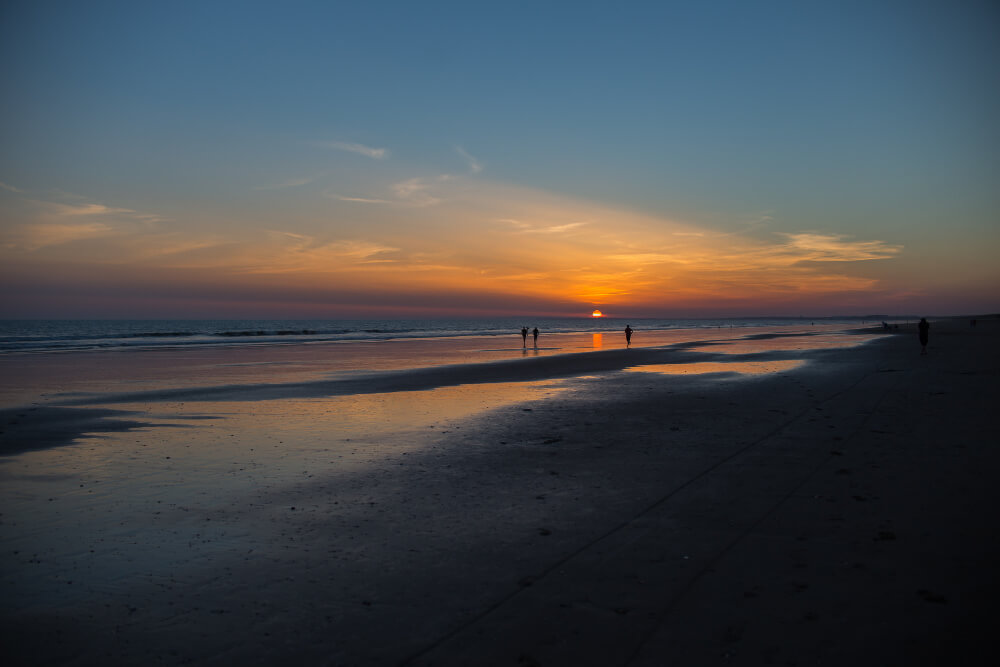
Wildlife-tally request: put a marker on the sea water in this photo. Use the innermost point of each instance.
(26, 336)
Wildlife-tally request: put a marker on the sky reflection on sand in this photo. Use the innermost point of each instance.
(219, 479)
(791, 343)
(210, 438)
(741, 367)
(806, 340)
(48, 376)
(121, 505)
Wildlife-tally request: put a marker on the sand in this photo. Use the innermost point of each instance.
(839, 511)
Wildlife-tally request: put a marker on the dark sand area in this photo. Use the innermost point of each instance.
(839, 512)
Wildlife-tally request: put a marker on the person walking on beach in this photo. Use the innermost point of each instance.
(922, 330)
(628, 336)
(524, 336)
(534, 332)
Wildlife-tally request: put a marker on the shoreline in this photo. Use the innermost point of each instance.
(55, 419)
(620, 520)
(71, 336)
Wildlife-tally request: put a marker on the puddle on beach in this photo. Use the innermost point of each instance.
(209, 438)
(755, 343)
(784, 342)
(702, 367)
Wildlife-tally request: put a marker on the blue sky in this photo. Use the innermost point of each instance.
(767, 126)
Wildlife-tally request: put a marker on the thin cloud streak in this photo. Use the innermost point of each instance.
(43, 224)
(837, 248)
(291, 183)
(360, 149)
(86, 209)
(528, 228)
(414, 192)
(357, 200)
(35, 237)
(475, 166)
(55, 209)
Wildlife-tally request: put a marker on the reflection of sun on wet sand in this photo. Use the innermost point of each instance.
(838, 512)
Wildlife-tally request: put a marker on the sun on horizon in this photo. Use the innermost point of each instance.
(597, 313)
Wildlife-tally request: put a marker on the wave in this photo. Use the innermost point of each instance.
(303, 332)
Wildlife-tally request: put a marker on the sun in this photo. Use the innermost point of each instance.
(597, 313)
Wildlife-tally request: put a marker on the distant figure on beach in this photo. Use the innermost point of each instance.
(534, 332)
(922, 328)
(628, 335)
(524, 335)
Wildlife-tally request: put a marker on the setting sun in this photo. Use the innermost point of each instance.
(597, 313)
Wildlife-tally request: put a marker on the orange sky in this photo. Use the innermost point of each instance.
(465, 245)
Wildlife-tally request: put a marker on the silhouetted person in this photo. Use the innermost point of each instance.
(524, 336)
(628, 336)
(534, 332)
(922, 329)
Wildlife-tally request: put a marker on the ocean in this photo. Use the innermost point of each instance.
(32, 336)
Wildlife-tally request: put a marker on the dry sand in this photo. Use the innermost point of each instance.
(839, 512)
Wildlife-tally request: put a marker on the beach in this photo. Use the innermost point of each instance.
(757, 497)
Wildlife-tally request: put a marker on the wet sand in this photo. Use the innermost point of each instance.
(559, 512)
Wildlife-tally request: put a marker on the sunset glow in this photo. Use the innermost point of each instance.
(597, 313)
(329, 201)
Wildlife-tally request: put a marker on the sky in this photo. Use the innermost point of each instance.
(443, 159)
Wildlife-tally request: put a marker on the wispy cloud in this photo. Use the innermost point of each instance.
(837, 248)
(517, 224)
(42, 224)
(529, 228)
(291, 183)
(72, 210)
(33, 237)
(409, 188)
(357, 200)
(360, 149)
(10, 188)
(414, 191)
(758, 258)
(148, 217)
(289, 252)
(60, 210)
(475, 166)
(171, 246)
(359, 249)
(646, 258)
